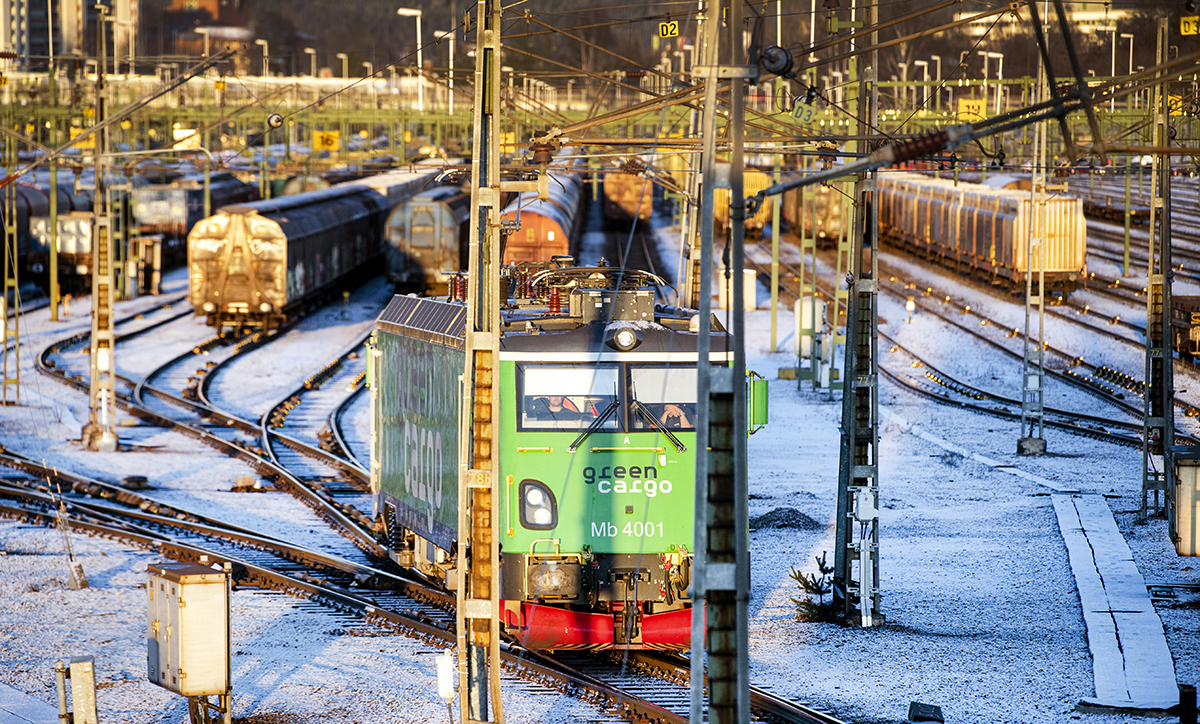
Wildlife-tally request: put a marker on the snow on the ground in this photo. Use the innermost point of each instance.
(982, 614)
(251, 384)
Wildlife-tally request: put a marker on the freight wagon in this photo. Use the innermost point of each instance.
(33, 233)
(816, 214)
(753, 181)
(981, 229)
(547, 228)
(252, 265)
(596, 456)
(1185, 326)
(172, 209)
(426, 237)
(627, 197)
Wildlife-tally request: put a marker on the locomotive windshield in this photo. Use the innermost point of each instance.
(567, 397)
(668, 393)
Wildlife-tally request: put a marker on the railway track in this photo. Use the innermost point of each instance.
(1109, 385)
(373, 595)
(356, 585)
(217, 429)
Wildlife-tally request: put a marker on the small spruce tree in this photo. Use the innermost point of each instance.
(815, 587)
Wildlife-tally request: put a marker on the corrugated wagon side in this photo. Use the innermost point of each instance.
(416, 364)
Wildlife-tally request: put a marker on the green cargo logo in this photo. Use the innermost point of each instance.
(423, 469)
(613, 480)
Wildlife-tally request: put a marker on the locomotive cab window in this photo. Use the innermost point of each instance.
(567, 397)
(668, 394)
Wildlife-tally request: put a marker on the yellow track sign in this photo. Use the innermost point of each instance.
(1189, 25)
(88, 143)
(327, 140)
(971, 109)
(669, 29)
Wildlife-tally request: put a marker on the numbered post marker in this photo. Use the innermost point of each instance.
(668, 29)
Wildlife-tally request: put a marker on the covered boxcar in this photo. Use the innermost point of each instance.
(627, 197)
(1185, 326)
(596, 454)
(33, 231)
(815, 212)
(172, 209)
(426, 236)
(983, 229)
(753, 181)
(251, 265)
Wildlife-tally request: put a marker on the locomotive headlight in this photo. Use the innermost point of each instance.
(624, 339)
(81, 270)
(539, 510)
(265, 307)
(208, 307)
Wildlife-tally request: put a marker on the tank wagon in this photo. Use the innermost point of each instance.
(627, 197)
(253, 264)
(819, 217)
(982, 229)
(426, 236)
(548, 228)
(596, 456)
(172, 209)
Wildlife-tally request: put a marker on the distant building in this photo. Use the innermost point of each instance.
(36, 29)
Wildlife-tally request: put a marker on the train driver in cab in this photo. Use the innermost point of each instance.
(674, 417)
(555, 407)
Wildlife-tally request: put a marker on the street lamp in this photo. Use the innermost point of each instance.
(370, 69)
(345, 65)
(938, 101)
(266, 54)
(414, 13)
(924, 64)
(999, 78)
(904, 83)
(441, 35)
(1129, 37)
(204, 32)
(1112, 104)
(312, 54)
(984, 53)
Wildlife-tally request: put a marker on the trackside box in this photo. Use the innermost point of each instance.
(187, 637)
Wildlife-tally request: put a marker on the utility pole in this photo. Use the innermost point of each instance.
(1158, 427)
(721, 567)
(478, 592)
(12, 294)
(99, 433)
(856, 588)
(1033, 368)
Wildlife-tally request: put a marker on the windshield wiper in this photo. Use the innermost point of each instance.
(648, 416)
(608, 411)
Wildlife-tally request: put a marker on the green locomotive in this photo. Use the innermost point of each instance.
(597, 468)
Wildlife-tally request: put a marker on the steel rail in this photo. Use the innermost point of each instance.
(1120, 403)
(247, 572)
(283, 479)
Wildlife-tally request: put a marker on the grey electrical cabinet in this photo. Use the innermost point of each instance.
(187, 636)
